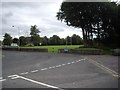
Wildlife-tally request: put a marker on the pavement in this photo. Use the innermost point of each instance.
(58, 71)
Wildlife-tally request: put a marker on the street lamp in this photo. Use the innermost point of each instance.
(18, 35)
(71, 40)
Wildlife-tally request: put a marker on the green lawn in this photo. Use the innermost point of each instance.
(86, 49)
(55, 48)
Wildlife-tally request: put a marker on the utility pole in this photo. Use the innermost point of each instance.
(18, 30)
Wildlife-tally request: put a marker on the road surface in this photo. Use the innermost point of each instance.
(58, 71)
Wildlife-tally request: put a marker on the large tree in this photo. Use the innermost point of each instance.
(22, 41)
(7, 39)
(96, 19)
(54, 40)
(15, 40)
(76, 40)
(35, 38)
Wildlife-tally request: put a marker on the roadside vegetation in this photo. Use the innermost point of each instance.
(55, 48)
(99, 22)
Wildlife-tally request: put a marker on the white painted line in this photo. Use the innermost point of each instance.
(34, 71)
(63, 64)
(44, 69)
(77, 61)
(80, 60)
(1, 80)
(68, 63)
(51, 67)
(14, 76)
(44, 84)
(72, 62)
(24, 73)
(58, 66)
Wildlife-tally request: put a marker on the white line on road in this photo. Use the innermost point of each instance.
(11, 75)
(1, 80)
(63, 64)
(14, 76)
(34, 71)
(24, 73)
(51, 67)
(77, 61)
(58, 66)
(44, 69)
(72, 62)
(44, 84)
(69, 63)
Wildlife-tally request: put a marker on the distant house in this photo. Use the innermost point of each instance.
(14, 44)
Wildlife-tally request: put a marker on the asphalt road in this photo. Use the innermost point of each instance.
(59, 71)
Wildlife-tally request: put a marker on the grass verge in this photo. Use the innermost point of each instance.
(54, 48)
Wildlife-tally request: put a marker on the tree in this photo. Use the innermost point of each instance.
(35, 38)
(7, 39)
(23, 41)
(62, 41)
(15, 40)
(54, 40)
(97, 20)
(45, 40)
(0, 43)
(76, 40)
(68, 40)
(34, 31)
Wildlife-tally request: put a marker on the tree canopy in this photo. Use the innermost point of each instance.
(35, 38)
(7, 39)
(98, 20)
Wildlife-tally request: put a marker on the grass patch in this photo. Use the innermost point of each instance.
(86, 49)
(54, 48)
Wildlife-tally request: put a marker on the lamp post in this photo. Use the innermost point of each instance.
(18, 34)
(71, 40)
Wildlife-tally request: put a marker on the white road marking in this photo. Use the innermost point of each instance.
(14, 76)
(24, 73)
(34, 71)
(69, 63)
(44, 84)
(77, 61)
(72, 62)
(80, 60)
(58, 66)
(63, 64)
(44, 69)
(1, 80)
(51, 67)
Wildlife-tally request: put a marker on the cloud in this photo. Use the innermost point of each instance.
(43, 14)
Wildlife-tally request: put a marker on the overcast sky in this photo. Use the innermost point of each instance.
(23, 13)
(43, 14)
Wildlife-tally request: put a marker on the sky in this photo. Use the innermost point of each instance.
(23, 13)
